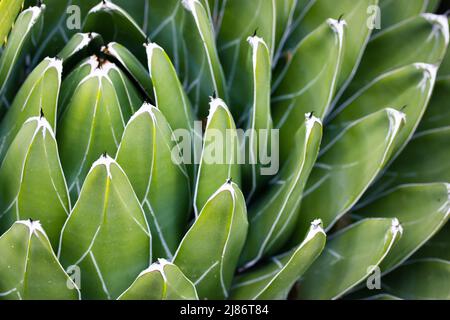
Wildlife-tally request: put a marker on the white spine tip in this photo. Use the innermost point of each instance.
(104, 160)
(33, 226)
(430, 70)
(396, 227)
(215, 103)
(440, 21)
(188, 4)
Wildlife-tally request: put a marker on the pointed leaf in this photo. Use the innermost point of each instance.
(161, 281)
(40, 90)
(29, 269)
(219, 158)
(308, 81)
(273, 217)
(106, 235)
(9, 9)
(348, 258)
(80, 46)
(426, 279)
(209, 252)
(275, 279)
(145, 154)
(347, 166)
(422, 210)
(33, 184)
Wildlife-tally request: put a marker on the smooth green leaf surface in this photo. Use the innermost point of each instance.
(33, 184)
(106, 235)
(39, 92)
(426, 279)
(29, 269)
(348, 258)
(348, 165)
(420, 39)
(407, 89)
(219, 158)
(275, 279)
(80, 46)
(308, 81)
(9, 9)
(161, 281)
(437, 114)
(145, 154)
(422, 210)
(209, 252)
(436, 247)
(393, 12)
(273, 217)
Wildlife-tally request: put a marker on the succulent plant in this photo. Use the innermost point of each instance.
(224, 149)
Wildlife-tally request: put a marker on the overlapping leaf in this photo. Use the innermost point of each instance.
(33, 184)
(437, 247)
(29, 269)
(209, 252)
(393, 12)
(9, 9)
(161, 281)
(80, 46)
(106, 234)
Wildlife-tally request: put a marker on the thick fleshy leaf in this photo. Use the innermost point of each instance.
(348, 258)
(275, 279)
(132, 65)
(220, 154)
(33, 184)
(204, 74)
(393, 12)
(29, 269)
(424, 160)
(426, 279)
(9, 9)
(438, 112)
(407, 89)
(261, 141)
(239, 21)
(106, 235)
(421, 39)
(347, 166)
(285, 14)
(308, 81)
(21, 34)
(39, 92)
(80, 46)
(115, 24)
(436, 247)
(92, 123)
(273, 217)
(209, 252)
(161, 281)
(357, 16)
(145, 154)
(422, 210)
(444, 70)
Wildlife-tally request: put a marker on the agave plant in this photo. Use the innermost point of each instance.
(107, 188)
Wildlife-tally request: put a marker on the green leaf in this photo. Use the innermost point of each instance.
(308, 81)
(106, 235)
(92, 123)
(240, 19)
(9, 9)
(40, 90)
(285, 12)
(161, 281)
(220, 154)
(260, 142)
(145, 154)
(421, 39)
(393, 12)
(425, 279)
(407, 89)
(438, 246)
(275, 279)
(348, 258)
(209, 252)
(424, 160)
(204, 71)
(438, 113)
(116, 25)
(444, 70)
(132, 65)
(347, 166)
(29, 269)
(273, 217)
(422, 209)
(357, 17)
(20, 36)
(80, 46)
(33, 184)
